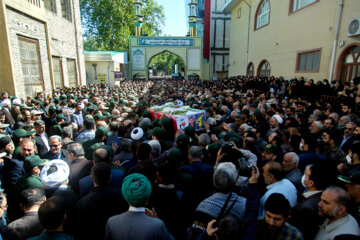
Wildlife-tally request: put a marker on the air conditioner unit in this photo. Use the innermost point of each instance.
(354, 27)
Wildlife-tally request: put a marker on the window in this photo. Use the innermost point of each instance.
(264, 69)
(65, 9)
(31, 67)
(308, 61)
(250, 69)
(58, 73)
(299, 4)
(351, 64)
(239, 13)
(50, 5)
(71, 67)
(263, 14)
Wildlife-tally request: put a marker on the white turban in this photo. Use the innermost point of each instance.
(54, 173)
(278, 118)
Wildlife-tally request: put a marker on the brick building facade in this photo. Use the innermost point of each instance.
(42, 46)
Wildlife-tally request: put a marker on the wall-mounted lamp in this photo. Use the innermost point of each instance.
(341, 43)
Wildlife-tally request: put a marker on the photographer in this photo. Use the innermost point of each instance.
(243, 159)
(224, 198)
(226, 225)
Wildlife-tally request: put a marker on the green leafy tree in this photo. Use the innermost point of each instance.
(108, 24)
(164, 63)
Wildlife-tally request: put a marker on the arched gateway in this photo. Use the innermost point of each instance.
(143, 49)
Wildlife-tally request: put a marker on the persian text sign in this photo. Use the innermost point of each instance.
(165, 42)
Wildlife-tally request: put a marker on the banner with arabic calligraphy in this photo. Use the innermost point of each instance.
(199, 121)
(165, 42)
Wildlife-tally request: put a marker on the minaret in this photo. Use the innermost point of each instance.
(192, 17)
(138, 18)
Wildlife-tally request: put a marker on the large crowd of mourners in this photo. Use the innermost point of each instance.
(276, 159)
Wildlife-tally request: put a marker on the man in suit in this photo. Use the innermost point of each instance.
(138, 222)
(41, 138)
(103, 202)
(117, 174)
(80, 167)
(305, 215)
(28, 225)
(13, 169)
(56, 151)
(348, 137)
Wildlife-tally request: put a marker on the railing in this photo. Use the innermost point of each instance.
(330, 99)
(35, 2)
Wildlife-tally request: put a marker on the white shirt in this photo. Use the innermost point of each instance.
(44, 139)
(310, 193)
(345, 225)
(136, 209)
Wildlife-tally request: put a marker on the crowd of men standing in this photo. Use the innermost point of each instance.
(276, 159)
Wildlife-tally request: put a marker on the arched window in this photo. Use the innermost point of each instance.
(351, 64)
(263, 14)
(264, 69)
(250, 69)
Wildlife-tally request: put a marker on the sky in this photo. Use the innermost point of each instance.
(175, 22)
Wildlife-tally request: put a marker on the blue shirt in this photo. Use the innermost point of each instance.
(77, 118)
(86, 184)
(284, 187)
(85, 135)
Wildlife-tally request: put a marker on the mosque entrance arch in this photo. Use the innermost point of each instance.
(166, 65)
(143, 49)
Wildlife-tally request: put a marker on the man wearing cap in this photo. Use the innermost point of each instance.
(35, 115)
(140, 222)
(32, 167)
(270, 153)
(4, 129)
(41, 138)
(99, 117)
(56, 128)
(352, 184)
(56, 151)
(13, 169)
(90, 146)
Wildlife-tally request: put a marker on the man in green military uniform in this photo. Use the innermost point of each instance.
(56, 128)
(18, 136)
(90, 146)
(32, 167)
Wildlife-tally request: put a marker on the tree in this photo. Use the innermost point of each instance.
(165, 63)
(108, 24)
